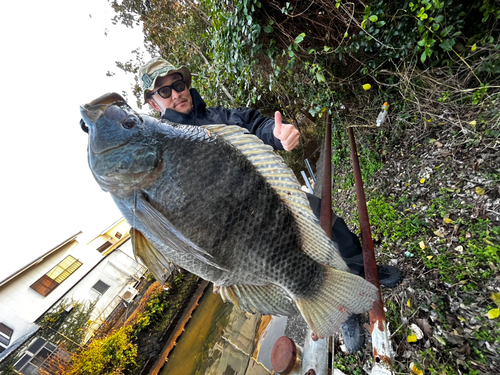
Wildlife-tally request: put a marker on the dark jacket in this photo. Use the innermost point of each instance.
(248, 118)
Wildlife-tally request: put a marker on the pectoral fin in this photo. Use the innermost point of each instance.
(149, 256)
(268, 299)
(165, 231)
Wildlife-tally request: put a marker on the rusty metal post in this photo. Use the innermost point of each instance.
(382, 350)
(315, 353)
(325, 219)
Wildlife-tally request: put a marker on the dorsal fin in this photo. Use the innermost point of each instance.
(281, 178)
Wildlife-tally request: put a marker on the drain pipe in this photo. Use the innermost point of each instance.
(382, 349)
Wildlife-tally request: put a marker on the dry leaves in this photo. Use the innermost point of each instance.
(425, 326)
(417, 331)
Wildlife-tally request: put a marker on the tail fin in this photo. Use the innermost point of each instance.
(341, 295)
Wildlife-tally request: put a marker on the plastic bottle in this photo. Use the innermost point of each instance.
(383, 114)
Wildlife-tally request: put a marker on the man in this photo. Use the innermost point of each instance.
(167, 90)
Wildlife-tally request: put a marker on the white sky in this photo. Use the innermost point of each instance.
(54, 58)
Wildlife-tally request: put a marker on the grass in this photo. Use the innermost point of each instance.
(423, 200)
(438, 366)
(476, 254)
(464, 264)
(349, 364)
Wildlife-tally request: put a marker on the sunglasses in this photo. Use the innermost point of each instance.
(166, 91)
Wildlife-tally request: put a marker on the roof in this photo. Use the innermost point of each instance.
(115, 224)
(39, 259)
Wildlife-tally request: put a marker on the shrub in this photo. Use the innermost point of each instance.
(114, 354)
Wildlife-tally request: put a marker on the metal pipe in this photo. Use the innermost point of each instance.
(382, 350)
(306, 180)
(310, 170)
(315, 355)
(286, 357)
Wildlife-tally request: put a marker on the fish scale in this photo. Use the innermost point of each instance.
(219, 203)
(246, 230)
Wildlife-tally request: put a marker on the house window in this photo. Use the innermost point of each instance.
(104, 246)
(118, 235)
(48, 282)
(5, 336)
(100, 287)
(35, 356)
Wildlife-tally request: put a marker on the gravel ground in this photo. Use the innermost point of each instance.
(296, 329)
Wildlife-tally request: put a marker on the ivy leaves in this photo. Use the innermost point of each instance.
(447, 45)
(427, 42)
(299, 39)
(269, 28)
(431, 30)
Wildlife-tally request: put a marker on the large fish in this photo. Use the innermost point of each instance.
(219, 203)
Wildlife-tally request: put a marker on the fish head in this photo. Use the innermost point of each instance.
(122, 153)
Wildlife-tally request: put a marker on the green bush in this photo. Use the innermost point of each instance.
(154, 310)
(114, 354)
(428, 29)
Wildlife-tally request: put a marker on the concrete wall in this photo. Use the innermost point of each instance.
(21, 306)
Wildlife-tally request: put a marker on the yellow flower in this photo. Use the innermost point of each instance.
(494, 313)
(412, 338)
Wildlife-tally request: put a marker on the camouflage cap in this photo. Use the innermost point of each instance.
(159, 67)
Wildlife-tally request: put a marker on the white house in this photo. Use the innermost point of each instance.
(103, 271)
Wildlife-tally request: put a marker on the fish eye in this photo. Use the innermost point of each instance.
(129, 122)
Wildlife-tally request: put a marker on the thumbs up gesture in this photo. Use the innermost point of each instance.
(286, 133)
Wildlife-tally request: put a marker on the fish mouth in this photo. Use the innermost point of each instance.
(105, 151)
(92, 111)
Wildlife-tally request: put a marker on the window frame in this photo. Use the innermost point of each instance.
(57, 274)
(105, 246)
(97, 291)
(5, 336)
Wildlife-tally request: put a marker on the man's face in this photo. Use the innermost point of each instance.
(178, 101)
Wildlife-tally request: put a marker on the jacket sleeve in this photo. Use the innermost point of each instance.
(254, 121)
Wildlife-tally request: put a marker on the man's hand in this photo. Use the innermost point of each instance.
(286, 133)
